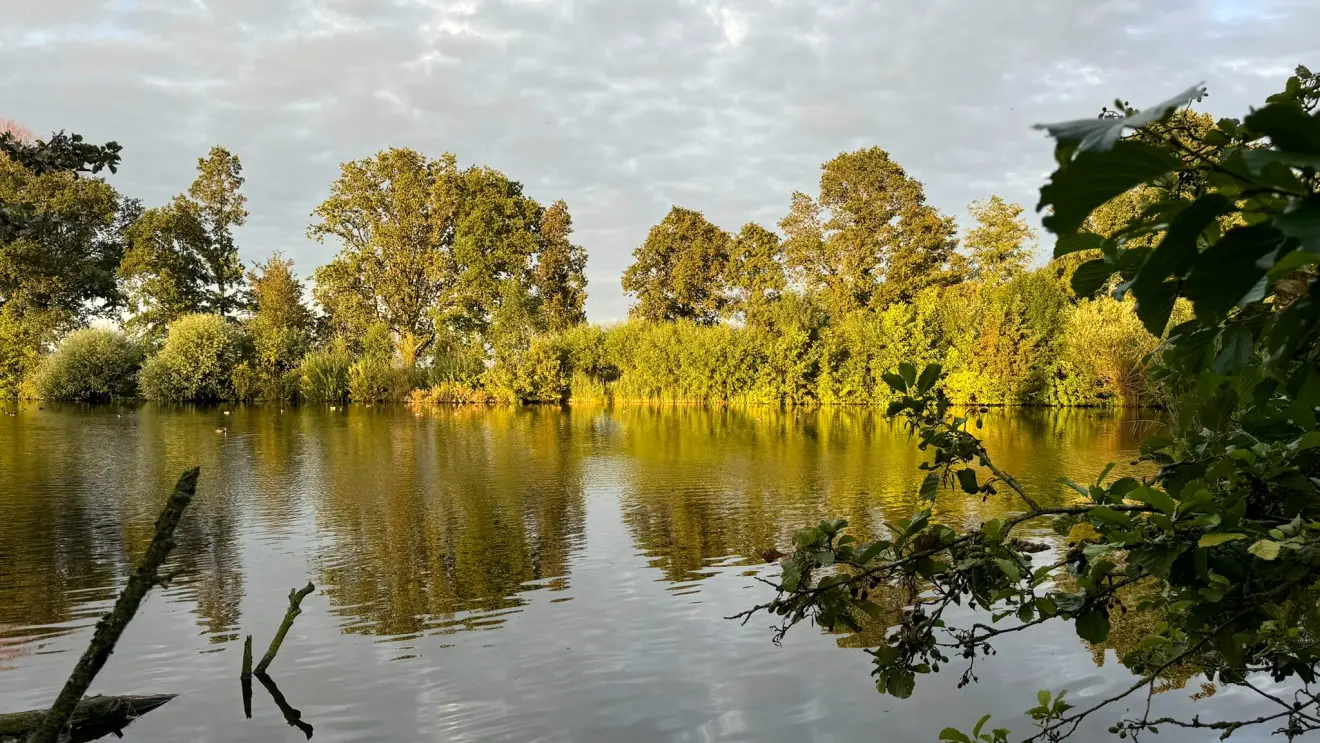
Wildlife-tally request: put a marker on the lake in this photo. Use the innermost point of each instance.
(504, 575)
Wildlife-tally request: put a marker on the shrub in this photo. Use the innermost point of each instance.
(448, 393)
(197, 362)
(323, 374)
(375, 379)
(91, 365)
(1102, 355)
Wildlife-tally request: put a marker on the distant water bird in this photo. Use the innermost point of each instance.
(222, 431)
(333, 407)
(226, 412)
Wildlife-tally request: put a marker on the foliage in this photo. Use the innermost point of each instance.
(90, 365)
(677, 273)
(1219, 541)
(280, 329)
(323, 374)
(60, 240)
(181, 257)
(446, 394)
(197, 362)
(433, 251)
(870, 239)
(1000, 244)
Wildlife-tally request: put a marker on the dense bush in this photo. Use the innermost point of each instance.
(323, 374)
(376, 379)
(197, 362)
(90, 365)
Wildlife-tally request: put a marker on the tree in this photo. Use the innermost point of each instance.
(60, 240)
(20, 134)
(677, 273)
(425, 246)
(755, 274)
(999, 247)
(219, 208)
(870, 226)
(281, 332)
(1217, 544)
(182, 258)
(560, 279)
(162, 270)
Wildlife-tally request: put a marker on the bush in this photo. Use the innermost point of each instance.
(197, 362)
(448, 393)
(375, 379)
(91, 365)
(323, 374)
(1102, 356)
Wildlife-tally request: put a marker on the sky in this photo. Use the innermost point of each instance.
(622, 108)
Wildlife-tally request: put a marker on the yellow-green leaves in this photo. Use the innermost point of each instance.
(1214, 540)
(1265, 549)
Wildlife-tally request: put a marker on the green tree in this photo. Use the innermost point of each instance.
(1216, 542)
(999, 247)
(61, 237)
(90, 365)
(181, 257)
(678, 272)
(281, 332)
(426, 247)
(870, 238)
(197, 362)
(560, 279)
(220, 206)
(755, 276)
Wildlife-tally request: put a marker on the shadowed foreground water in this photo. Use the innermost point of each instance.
(510, 575)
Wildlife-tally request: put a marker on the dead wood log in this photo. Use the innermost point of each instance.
(92, 718)
(295, 608)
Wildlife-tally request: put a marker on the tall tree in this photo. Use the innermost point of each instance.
(870, 226)
(162, 270)
(999, 247)
(560, 279)
(677, 273)
(220, 207)
(182, 257)
(280, 327)
(60, 240)
(755, 274)
(426, 246)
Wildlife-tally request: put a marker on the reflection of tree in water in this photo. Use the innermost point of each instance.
(448, 513)
(705, 484)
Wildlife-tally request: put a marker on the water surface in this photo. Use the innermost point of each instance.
(500, 575)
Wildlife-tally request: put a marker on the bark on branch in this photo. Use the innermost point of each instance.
(295, 608)
(112, 625)
(92, 717)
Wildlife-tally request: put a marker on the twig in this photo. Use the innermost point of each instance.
(295, 604)
(246, 673)
(112, 625)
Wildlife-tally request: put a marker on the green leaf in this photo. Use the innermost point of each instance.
(976, 730)
(1009, 568)
(871, 551)
(1235, 351)
(1226, 272)
(1155, 305)
(929, 376)
(1076, 243)
(1265, 549)
(908, 372)
(955, 735)
(1291, 262)
(1214, 540)
(1175, 253)
(991, 529)
(1096, 176)
(895, 382)
(1109, 516)
(967, 479)
(1303, 223)
(901, 684)
(1287, 126)
(1153, 497)
(1093, 625)
(930, 486)
(1043, 697)
(1152, 444)
(1090, 276)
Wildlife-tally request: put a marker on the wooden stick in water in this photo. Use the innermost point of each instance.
(247, 658)
(112, 625)
(295, 604)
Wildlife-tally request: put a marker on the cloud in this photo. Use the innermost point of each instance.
(620, 108)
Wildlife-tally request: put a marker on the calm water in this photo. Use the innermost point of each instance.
(505, 575)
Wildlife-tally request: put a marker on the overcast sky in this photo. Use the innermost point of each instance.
(620, 107)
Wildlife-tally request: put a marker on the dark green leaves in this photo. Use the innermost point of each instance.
(929, 376)
(1287, 127)
(1093, 624)
(1076, 243)
(1227, 271)
(1176, 252)
(1091, 276)
(1235, 352)
(1094, 177)
(967, 479)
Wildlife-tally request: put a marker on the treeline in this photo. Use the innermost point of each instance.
(452, 286)
(437, 263)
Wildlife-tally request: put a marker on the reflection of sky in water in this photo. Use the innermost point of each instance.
(499, 575)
